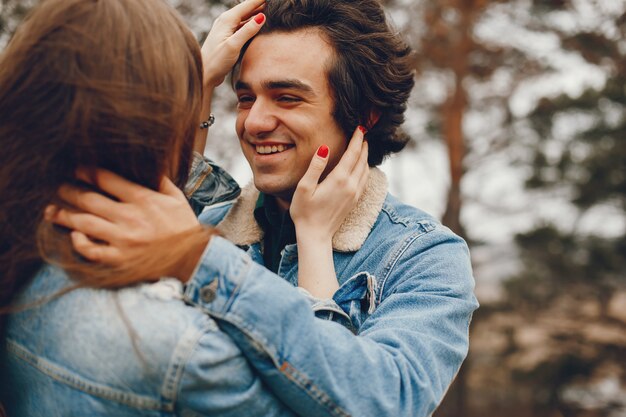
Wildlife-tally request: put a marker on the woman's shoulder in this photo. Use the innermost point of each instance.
(120, 339)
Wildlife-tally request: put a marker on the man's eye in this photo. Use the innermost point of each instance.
(243, 101)
(289, 99)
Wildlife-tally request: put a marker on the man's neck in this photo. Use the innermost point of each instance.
(282, 204)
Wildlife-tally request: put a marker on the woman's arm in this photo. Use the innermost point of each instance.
(220, 51)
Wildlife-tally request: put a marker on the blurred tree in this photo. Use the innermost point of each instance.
(11, 13)
(578, 152)
(466, 74)
(491, 79)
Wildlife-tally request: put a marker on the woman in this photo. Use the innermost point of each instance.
(114, 84)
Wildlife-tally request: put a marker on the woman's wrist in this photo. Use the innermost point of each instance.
(211, 83)
(185, 268)
(313, 236)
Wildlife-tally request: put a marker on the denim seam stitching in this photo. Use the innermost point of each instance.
(180, 357)
(261, 344)
(59, 374)
(306, 384)
(205, 173)
(397, 255)
(393, 216)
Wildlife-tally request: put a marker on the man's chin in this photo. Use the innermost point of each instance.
(275, 190)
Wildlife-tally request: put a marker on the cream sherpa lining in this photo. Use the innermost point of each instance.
(240, 227)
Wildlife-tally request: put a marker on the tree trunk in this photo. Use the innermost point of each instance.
(454, 111)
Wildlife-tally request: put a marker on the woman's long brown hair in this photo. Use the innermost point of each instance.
(98, 83)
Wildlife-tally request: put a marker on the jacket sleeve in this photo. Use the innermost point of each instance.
(208, 184)
(216, 380)
(399, 364)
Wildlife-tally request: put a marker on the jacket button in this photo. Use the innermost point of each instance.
(207, 294)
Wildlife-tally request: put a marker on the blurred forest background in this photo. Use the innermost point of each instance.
(518, 128)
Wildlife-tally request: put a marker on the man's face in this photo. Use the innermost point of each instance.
(285, 109)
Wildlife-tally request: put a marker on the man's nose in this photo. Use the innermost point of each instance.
(260, 119)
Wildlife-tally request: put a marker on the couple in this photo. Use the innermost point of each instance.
(121, 85)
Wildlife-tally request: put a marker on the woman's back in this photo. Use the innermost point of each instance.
(135, 351)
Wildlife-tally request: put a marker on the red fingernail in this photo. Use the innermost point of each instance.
(363, 130)
(322, 151)
(260, 18)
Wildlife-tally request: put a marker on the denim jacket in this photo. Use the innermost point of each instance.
(406, 290)
(147, 350)
(208, 184)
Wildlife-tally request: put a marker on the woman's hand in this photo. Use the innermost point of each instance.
(318, 208)
(230, 32)
(220, 51)
(116, 232)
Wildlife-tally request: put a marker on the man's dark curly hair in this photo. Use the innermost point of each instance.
(371, 70)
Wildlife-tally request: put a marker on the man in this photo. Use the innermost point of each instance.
(318, 69)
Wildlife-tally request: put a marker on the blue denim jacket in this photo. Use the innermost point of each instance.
(208, 184)
(406, 290)
(148, 350)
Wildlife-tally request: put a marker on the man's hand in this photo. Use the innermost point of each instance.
(230, 32)
(117, 232)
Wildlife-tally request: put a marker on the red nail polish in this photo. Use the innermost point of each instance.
(322, 151)
(363, 130)
(260, 18)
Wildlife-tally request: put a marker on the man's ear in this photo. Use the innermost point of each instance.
(373, 118)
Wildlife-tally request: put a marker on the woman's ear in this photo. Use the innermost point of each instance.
(373, 118)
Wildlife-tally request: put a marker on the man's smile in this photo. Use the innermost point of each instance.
(267, 149)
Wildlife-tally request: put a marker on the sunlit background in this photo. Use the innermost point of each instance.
(518, 131)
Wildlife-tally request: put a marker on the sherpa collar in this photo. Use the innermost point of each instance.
(240, 227)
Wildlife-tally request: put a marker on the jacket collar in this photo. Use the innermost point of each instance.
(240, 227)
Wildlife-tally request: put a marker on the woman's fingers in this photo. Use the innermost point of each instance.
(112, 184)
(88, 224)
(247, 31)
(234, 18)
(95, 252)
(357, 178)
(362, 170)
(311, 177)
(350, 157)
(245, 9)
(361, 165)
(230, 31)
(167, 187)
(89, 201)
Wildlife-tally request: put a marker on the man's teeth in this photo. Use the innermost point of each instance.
(270, 149)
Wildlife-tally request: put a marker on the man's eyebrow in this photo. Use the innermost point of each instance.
(240, 85)
(291, 84)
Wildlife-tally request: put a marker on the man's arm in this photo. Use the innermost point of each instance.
(401, 362)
